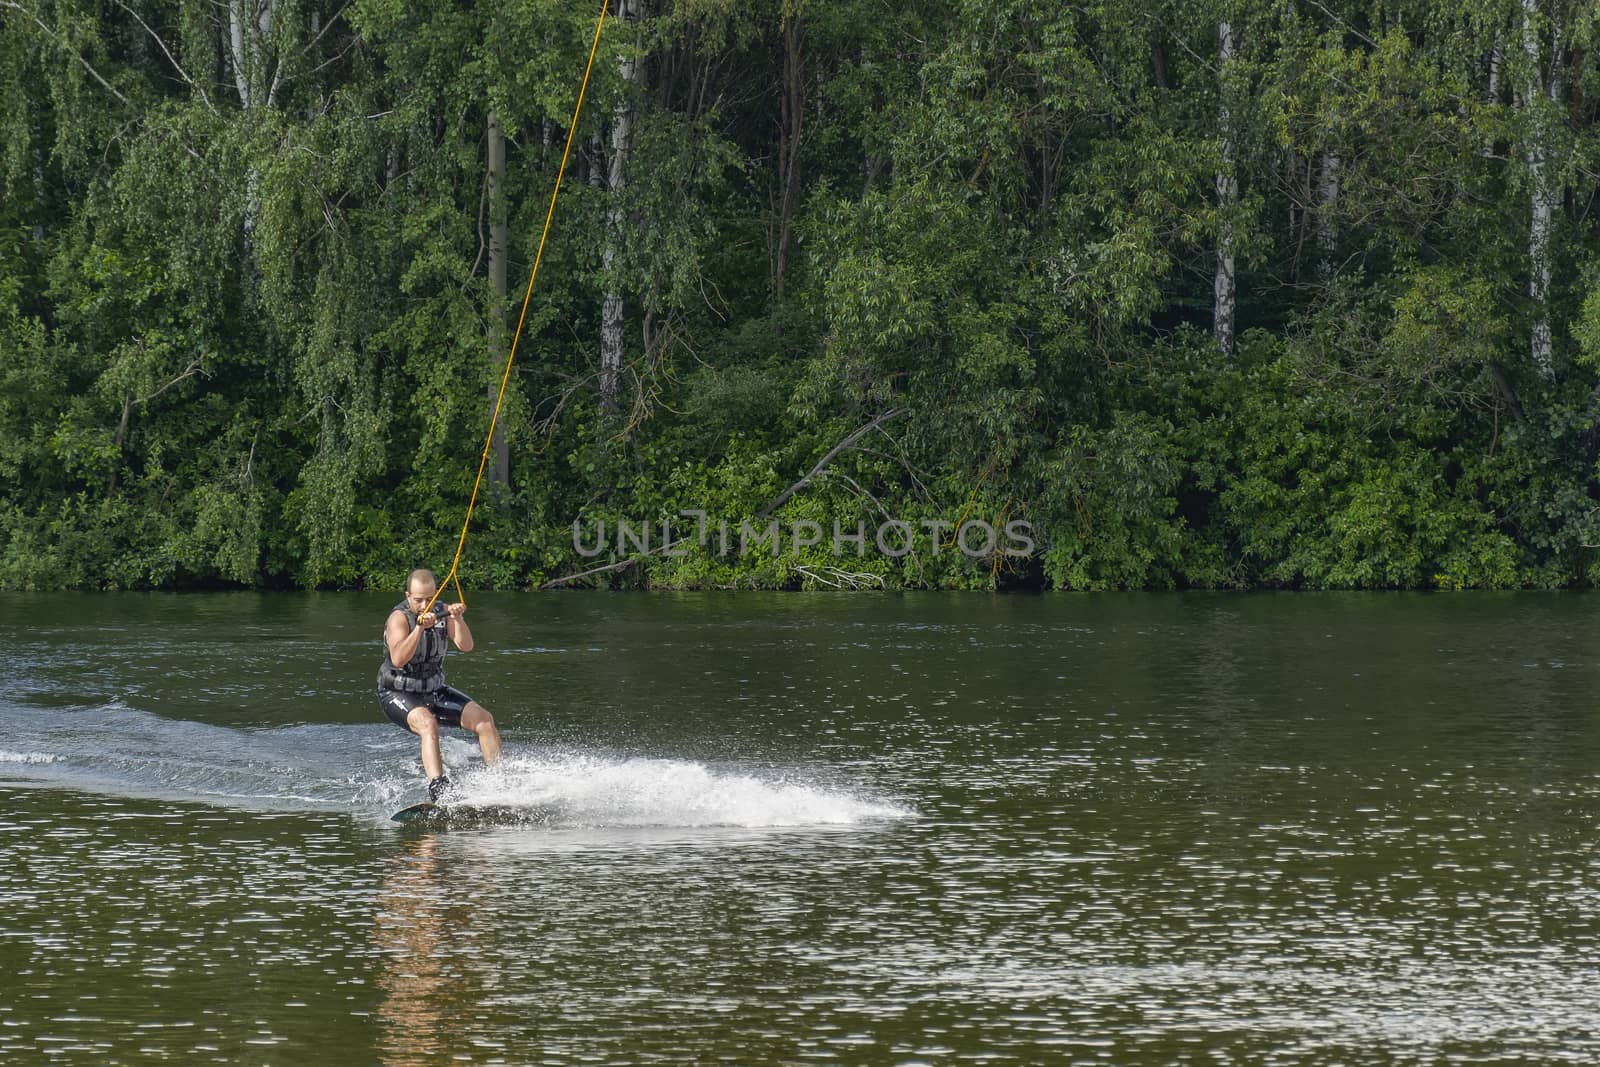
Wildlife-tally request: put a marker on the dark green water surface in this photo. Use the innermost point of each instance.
(1186, 829)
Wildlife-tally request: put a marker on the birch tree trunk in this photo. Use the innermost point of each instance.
(789, 131)
(1497, 59)
(250, 54)
(500, 453)
(1328, 171)
(1539, 99)
(613, 309)
(1497, 62)
(1227, 197)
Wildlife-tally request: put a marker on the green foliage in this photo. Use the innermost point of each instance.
(1111, 499)
(246, 324)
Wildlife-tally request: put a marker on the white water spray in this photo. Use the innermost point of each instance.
(584, 790)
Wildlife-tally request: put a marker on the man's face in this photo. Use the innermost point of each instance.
(418, 595)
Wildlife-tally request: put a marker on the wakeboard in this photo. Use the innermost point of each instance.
(428, 815)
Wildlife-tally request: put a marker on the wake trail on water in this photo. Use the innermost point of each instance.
(587, 790)
(372, 770)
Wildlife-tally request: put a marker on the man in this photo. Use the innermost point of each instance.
(411, 688)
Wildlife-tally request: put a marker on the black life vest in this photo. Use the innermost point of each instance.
(424, 671)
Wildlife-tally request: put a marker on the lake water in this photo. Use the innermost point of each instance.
(870, 829)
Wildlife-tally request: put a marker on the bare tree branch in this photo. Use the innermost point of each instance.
(325, 27)
(167, 52)
(56, 37)
(354, 41)
(822, 463)
(845, 579)
(606, 568)
(863, 492)
(193, 369)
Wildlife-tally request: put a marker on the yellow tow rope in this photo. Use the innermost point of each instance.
(494, 417)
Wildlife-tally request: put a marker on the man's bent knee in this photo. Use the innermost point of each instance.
(422, 721)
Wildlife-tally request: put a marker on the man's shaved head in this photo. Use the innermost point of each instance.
(419, 579)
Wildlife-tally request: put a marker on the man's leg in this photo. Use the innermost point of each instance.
(426, 727)
(477, 719)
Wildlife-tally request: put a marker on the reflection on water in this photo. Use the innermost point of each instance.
(1144, 830)
(430, 961)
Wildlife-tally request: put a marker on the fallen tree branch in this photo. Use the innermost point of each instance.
(846, 579)
(856, 486)
(606, 568)
(822, 463)
(849, 440)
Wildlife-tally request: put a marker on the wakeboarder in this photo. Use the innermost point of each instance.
(411, 686)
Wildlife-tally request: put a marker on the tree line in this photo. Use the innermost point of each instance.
(1208, 293)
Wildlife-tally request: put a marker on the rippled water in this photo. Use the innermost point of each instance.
(764, 829)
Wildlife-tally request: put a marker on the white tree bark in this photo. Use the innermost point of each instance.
(1328, 172)
(791, 120)
(1539, 98)
(614, 308)
(1497, 63)
(250, 53)
(1227, 198)
(238, 53)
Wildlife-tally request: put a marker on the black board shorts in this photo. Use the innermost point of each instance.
(447, 703)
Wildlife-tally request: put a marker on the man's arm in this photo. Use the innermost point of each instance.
(402, 638)
(456, 626)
